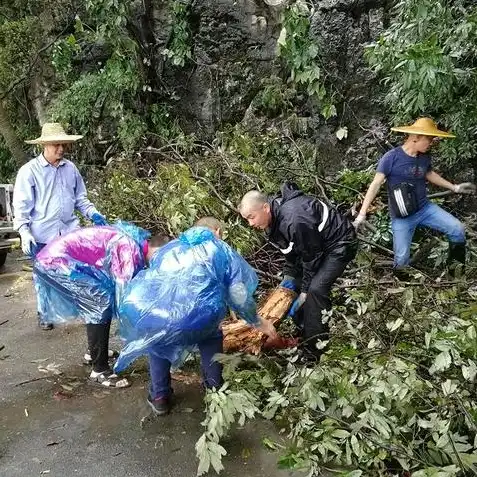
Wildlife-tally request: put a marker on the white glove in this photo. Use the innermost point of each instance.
(358, 221)
(464, 188)
(27, 241)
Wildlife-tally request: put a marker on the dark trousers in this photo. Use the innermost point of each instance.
(309, 317)
(160, 368)
(39, 294)
(98, 343)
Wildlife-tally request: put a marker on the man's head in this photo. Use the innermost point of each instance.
(421, 143)
(53, 153)
(54, 140)
(255, 209)
(154, 243)
(213, 224)
(422, 134)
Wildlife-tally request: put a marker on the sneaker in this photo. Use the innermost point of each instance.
(108, 379)
(160, 406)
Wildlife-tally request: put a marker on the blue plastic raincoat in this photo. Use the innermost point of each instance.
(183, 296)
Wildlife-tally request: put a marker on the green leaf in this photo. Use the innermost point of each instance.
(282, 39)
(355, 446)
(342, 133)
(340, 434)
(442, 362)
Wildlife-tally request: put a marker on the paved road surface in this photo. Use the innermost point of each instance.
(60, 426)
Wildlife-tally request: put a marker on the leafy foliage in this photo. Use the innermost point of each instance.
(179, 48)
(223, 407)
(394, 392)
(426, 60)
(300, 54)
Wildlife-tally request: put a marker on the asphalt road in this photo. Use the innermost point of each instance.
(58, 425)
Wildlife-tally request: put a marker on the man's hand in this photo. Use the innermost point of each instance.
(28, 242)
(297, 304)
(288, 282)
(358, 221)
(465, 188)
(98, 219)
(267, 328)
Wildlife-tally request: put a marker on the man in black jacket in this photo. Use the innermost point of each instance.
(318, 243)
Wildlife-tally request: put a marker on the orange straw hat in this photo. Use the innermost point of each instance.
(423, 127)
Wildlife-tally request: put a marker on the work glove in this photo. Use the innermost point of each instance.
(98, 219)
(288, 282)
(359, 220)
(297, 304)
(464, 188)
(28, 242)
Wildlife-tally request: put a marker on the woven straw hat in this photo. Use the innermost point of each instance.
(53, 133)
(423, 127)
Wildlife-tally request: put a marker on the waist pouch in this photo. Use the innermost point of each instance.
(402, 200)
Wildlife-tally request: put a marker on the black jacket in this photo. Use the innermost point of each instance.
(306, 229)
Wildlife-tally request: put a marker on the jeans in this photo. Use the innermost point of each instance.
(432, 216)
(318, 296)
(160, 368)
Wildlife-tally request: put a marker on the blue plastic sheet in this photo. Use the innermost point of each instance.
(83, 274)
(183, 296)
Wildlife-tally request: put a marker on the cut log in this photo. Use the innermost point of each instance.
(239, 336)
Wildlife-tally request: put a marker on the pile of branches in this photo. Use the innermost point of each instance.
(394, 394)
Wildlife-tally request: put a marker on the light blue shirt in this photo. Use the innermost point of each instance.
(45, 198)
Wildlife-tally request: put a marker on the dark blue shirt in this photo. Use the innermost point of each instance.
(399, 167)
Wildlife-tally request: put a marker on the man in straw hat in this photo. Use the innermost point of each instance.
(406, 169)
(48, 190)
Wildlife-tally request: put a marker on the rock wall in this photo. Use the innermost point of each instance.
(235, 47)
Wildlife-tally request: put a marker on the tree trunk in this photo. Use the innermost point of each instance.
(11, 139)
(239, 336)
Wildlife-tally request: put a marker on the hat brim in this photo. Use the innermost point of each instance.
(64, 139)
(423, 132)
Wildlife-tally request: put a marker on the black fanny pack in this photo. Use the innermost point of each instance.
(402, 200)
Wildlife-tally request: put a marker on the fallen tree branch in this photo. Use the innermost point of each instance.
(32, 380)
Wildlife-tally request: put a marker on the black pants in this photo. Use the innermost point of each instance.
(98, 343)
(318, 298)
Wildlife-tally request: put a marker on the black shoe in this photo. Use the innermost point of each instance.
(160, 406)
(44, 326)
(456, 259)
(402, 274)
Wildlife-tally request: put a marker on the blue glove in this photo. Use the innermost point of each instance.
(288, 282)
(297, 304)
(98, 219)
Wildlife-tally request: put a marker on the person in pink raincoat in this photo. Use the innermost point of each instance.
(82, 275)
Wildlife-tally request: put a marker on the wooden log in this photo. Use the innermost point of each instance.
(239, 336)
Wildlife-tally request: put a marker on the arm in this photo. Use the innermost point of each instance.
(241, 282)
(308, 237)
(372, 192)
(125, 259)
(23, 199)
(434, 178)
(82, 203)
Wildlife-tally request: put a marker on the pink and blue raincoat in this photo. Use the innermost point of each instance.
(82, 275)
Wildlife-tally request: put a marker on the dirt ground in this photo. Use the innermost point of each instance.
(58, 425)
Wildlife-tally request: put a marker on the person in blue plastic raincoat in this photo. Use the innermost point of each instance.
(82, 275)
(179, 302)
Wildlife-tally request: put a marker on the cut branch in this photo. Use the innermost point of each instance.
(240, 336)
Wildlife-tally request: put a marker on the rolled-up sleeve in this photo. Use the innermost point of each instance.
(82, 203)
(23, 197)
